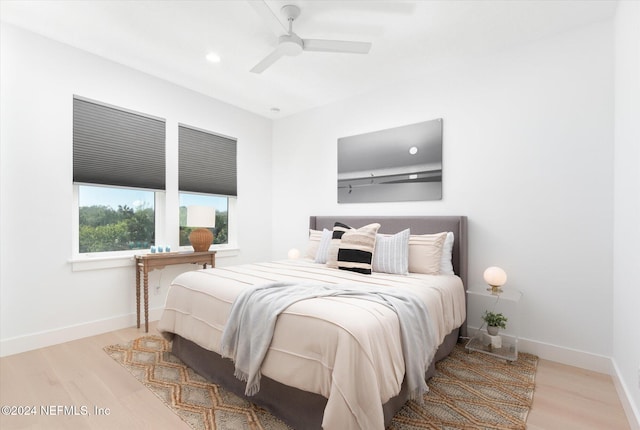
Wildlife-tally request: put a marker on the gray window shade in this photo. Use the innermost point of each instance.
(117, 147)
(207, 162)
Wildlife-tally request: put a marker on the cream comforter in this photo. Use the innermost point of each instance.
(330, 346)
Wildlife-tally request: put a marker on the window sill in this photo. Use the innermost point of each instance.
(81, 263)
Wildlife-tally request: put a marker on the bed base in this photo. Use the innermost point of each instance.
(299, 409)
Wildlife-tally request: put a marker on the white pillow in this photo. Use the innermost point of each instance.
(391, 254)
(314, 242)
(446, 266)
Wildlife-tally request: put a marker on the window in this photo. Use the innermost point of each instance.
(115, 219)
(207, 177)
(119, 176)
(118, 167)
(221, 206)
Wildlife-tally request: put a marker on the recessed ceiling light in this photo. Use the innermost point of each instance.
(213, 57)
(413, 150)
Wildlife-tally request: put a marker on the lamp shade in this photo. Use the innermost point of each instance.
(495, 276)
(293, 254)
(201, 216)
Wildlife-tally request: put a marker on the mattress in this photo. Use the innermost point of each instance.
(342, 348)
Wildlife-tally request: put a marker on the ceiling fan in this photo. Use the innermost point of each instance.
(291, 44)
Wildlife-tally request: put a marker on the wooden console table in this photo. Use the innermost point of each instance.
(145, 263)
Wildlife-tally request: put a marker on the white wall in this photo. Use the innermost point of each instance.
(626, 252)
(528, 157)
(42, 300)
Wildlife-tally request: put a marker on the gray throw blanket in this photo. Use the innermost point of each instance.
(249, 329)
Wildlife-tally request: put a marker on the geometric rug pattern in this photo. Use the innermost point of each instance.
(468, 391)
(474, 391)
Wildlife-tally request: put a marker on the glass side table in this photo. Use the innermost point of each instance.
(506, 302)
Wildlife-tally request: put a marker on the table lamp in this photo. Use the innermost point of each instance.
(496, 278)
(203, 217)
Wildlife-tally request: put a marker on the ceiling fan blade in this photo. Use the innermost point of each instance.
(270, 19)
(267, 61)
(336, 46)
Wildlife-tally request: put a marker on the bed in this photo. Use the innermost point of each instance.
(308, 380)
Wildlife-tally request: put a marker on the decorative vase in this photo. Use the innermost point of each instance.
(493, 330)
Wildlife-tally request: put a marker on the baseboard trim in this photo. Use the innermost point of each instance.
(18, 344)
(561, 354)
(630, 410)
(569, 356)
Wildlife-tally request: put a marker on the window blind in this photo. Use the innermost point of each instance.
(207, 162)
(113, 146)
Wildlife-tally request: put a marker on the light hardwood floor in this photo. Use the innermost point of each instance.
(80, 374)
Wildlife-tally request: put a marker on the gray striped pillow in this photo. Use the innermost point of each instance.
(391, 254)
(323, 247)
(356, 249)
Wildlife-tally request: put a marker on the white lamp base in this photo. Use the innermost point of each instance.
(494, 341)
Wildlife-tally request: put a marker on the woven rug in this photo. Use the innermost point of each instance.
(468, 391)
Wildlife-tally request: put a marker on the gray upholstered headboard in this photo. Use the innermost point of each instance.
(417, 225)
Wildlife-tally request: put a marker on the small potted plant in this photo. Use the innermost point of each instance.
(494, 322)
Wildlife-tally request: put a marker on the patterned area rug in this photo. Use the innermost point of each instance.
(468, 391)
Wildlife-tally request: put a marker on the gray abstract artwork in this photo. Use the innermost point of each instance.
(392, 165)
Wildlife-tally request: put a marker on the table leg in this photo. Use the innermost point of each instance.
(212, 262)
(137, 295)
(146, 300)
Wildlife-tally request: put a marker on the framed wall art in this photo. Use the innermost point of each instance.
(393, 165)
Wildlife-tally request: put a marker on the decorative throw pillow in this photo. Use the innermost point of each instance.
(446, 265)
(356, 249)
(313, 244)
(332, 254)
(323, 247)
(425, 253)
(391, 253)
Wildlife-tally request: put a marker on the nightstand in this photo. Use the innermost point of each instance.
(145, 263)
(507, 303)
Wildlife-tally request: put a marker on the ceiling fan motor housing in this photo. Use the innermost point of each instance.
(290, 44)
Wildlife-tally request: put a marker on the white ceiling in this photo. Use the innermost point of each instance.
(169, 39)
